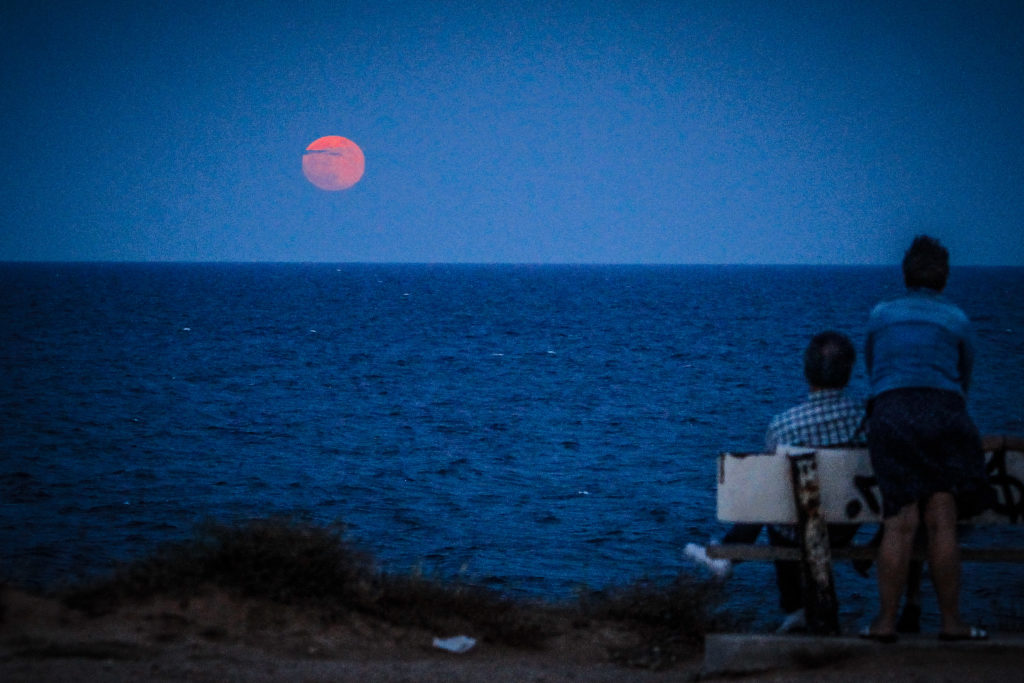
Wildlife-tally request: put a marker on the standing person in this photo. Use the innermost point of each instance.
(925, 450)
(828, 418)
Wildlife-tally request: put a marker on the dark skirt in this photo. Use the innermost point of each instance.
(922, 442)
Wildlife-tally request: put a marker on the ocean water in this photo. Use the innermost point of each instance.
(542, 430)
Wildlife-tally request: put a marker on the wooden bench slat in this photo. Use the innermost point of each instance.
(757, 552)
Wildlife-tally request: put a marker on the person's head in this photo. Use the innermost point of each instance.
(828, 360)
(926, 264)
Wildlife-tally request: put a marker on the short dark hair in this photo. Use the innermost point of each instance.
(828, 360)
(926, 264)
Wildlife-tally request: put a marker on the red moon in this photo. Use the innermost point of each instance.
(333, 163)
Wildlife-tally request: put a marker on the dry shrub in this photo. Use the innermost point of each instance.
(672, 619)
(278, 559)
(296, 563)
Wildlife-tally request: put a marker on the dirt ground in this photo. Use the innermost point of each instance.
(219, 638)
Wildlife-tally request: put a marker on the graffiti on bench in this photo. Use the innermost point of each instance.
(1009, 488)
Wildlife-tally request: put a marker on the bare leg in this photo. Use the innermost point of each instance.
(944, 559)
(893, 562)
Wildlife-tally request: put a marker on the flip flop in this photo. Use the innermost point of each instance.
(867, 634)
(973, 633)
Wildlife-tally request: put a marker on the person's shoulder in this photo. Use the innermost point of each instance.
(789, 414)
(844, 398)
(776, 420)
(943, 310)
(877, 309)
(887, 307)
(952, 309)
(922, 304)
(835, 400)
(886, 303)
(780, 427)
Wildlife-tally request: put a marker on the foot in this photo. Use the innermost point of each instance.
(794, 621)
(878, 636)
(720, 568)
(969, 633)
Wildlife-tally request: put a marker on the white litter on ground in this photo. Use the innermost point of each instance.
(457, 644)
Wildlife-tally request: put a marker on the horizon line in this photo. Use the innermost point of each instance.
(483, 263)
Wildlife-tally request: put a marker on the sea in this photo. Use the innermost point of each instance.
(547, 431)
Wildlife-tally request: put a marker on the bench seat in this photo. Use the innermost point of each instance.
(744, 552)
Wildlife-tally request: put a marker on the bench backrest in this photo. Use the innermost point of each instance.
(756, 487)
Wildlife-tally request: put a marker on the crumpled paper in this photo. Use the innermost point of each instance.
(456, 644)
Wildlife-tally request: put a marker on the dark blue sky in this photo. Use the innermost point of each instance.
(583, 132)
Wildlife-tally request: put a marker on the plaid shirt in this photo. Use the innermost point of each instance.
(827, 418)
